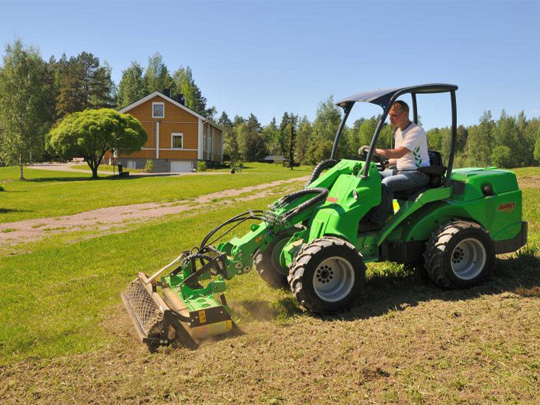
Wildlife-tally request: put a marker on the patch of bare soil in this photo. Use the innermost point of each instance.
(403, 342)
(529, 182)
(100, 220)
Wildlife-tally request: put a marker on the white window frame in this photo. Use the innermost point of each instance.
(172, 142)
(153, 109)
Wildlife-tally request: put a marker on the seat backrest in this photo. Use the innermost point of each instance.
(435, 158)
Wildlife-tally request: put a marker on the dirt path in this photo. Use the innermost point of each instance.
(14, 233)
(70, 167)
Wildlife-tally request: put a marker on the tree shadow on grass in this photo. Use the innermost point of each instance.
(9, 210)
(104, 178)
(86, 178)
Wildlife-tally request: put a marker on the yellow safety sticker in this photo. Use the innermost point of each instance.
(396, 206)
(202, 316)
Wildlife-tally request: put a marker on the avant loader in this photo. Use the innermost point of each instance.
(311, 240)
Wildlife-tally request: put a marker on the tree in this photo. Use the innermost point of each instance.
(230, 145)
(271, 135)
(23, 105)
(481, 141)
(157, 76)
(83, 84)
(91, 133)
(502, 156)
(303, 139)
(291, 131)
(184, 84)
(253, 147)
(132, 85)
(434, 139)
(323, 132)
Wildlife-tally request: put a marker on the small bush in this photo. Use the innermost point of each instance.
(2, 188)
(149, 166)
(201, 166)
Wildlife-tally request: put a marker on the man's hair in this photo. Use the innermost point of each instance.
(402, 105)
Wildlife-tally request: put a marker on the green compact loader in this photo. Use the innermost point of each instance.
(311, 240)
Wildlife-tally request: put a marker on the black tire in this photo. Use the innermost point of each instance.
(459, 255)
(330, 261)
(268, 265)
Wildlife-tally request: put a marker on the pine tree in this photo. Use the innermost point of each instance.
(83, 84)
(291, 131)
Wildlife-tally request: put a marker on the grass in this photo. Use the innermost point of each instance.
(88, 275)
(47, 193)
(64, 335)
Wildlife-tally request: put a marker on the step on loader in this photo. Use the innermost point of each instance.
(313, 240)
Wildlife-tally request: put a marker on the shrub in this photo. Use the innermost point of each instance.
(201, 166)
(149, 166)
(2, 188)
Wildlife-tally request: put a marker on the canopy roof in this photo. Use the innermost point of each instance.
(382, 97)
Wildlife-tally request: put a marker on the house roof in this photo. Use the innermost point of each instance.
(170, 100)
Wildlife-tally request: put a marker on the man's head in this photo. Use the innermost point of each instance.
(399, 114)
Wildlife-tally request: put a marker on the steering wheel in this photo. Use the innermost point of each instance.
(378, 160)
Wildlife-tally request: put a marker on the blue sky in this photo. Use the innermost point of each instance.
(267, 57)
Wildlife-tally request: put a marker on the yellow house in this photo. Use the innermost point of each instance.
(177, 136)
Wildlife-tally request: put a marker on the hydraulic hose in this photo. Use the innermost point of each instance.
(320, 197)
(325, 164)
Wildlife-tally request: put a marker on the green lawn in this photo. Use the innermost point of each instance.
(53, 299)
(405, 341)
(48, 193)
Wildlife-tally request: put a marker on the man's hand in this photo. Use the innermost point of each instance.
(363, 151)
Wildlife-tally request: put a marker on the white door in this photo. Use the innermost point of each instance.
(180, 167)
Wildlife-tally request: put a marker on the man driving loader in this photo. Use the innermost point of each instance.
(409, 154)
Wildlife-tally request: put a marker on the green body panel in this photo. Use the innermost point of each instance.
(499, 214)
(349, 199)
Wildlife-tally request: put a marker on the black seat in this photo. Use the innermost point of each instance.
(435, 171)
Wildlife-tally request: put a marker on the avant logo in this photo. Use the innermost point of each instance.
(506, 207)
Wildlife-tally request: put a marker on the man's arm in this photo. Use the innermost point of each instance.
(392, 153)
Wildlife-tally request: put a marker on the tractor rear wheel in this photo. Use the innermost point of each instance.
(268, 264)
(459, 255)
(327, 275)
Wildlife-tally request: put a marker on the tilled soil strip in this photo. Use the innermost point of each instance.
(13, 233)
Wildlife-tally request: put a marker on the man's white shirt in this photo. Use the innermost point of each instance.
(413, 138)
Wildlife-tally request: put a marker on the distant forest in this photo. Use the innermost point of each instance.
(36, 94)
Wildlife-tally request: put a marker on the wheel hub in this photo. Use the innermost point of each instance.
(324, 274)
(468, 259)
(334, 279)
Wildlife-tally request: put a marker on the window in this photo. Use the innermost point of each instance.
(158, 110)
(177, 141)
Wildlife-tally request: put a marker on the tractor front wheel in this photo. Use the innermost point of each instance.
(459, 255)
(268, 262)
(328, 275)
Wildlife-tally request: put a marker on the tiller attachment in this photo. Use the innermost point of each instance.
(178, 306)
